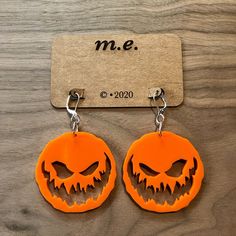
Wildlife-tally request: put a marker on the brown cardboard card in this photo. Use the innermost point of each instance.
(116, 70)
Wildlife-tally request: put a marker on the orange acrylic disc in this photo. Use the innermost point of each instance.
(162, 173)
(76, 172)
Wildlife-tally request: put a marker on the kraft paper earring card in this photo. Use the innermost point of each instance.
(116, 70)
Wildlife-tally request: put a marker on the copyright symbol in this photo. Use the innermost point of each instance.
(103, 94)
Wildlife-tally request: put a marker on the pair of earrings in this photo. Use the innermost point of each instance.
(76, 172)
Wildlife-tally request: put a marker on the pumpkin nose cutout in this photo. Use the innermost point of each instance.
(147, 170)
(176, 168)
(90, 169)
(62, 171)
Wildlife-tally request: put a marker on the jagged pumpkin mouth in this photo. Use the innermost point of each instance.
(164, 193)
(77, 195)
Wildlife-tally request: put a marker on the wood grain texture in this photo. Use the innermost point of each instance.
(28, 121)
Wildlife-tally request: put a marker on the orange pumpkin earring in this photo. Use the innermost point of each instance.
(76, 171)
(162, 171)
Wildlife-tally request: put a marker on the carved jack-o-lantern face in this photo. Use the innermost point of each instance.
(162, 173)
(81, 166)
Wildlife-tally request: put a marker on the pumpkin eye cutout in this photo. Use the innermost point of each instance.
(90, 169)
(176, 168)
(147, 170)
(62, 171)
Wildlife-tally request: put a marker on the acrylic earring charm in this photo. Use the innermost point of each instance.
(76, 171)
(162, 171)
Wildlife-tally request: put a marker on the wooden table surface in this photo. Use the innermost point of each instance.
(207, 117)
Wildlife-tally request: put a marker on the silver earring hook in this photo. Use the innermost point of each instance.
(74, 117)
(159, 119)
